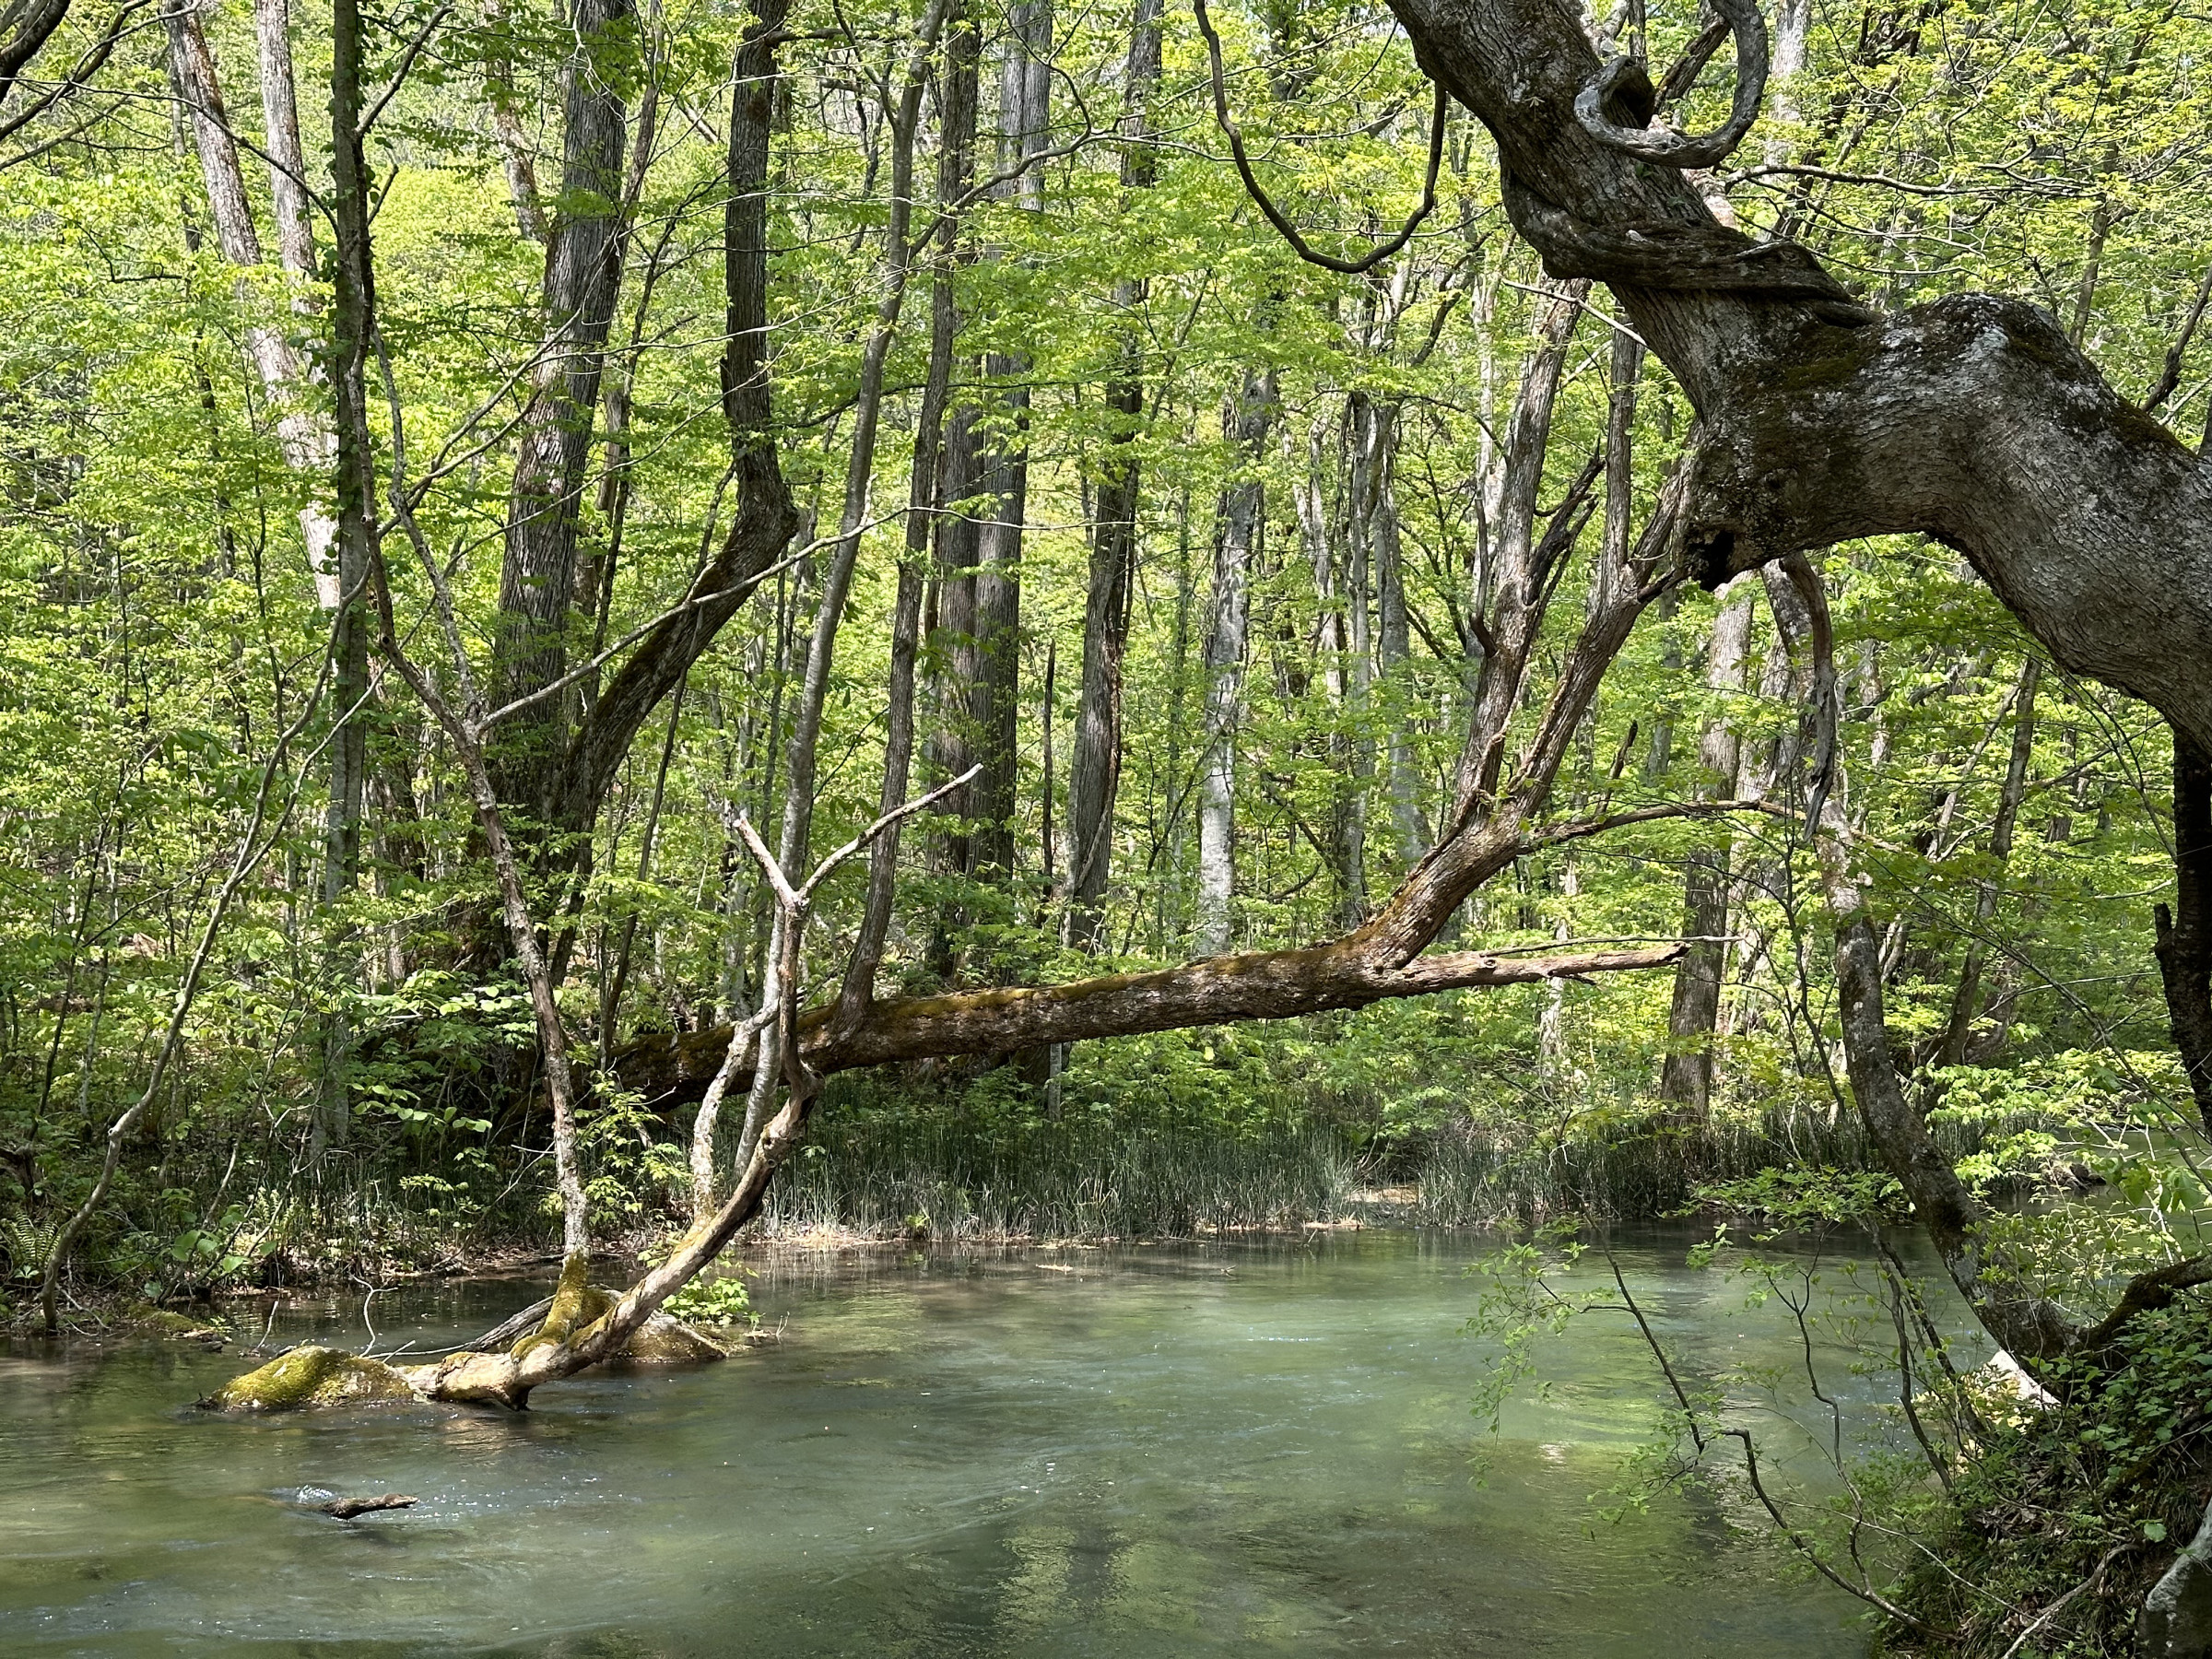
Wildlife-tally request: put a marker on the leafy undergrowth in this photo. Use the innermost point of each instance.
(2058, 1527)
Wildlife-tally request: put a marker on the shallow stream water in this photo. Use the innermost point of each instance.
(1246, 1448)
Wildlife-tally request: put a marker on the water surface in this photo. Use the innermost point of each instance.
(1172, 1450)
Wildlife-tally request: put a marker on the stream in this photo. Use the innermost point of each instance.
(1235, 1448)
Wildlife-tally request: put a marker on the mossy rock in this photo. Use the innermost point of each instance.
(307, 1377)
(662, 1340)
(163, 1322)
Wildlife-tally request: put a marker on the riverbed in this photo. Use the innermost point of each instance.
(1241, 1447)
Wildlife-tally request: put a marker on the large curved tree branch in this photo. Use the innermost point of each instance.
(1973, 419)
(1623, 78)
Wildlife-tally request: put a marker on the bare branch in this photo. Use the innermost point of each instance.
(1347, 267)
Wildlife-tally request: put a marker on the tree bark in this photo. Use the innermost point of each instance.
(1244, 423)
(1095, 770)
(1973, 419)
(1966, 1000)
(2185, 932)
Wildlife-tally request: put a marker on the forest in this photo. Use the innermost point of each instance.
(636, 634)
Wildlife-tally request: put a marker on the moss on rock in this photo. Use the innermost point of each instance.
(661, 1340)
(310, 1376)
(165, 1322)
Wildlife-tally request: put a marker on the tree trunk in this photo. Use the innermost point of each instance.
(2184, 946)
(1355, 779)
(1686, 1081)
(1095, 772)
(1245, 423)
(1966, 1001)
(516, 158)
(583, 271)
(287, 157)
(995, 712)
(302, 435)
(949, 625)
(1376, 441)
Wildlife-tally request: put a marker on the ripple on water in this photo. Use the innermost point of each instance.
(956, 1456)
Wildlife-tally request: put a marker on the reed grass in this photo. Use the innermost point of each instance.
(1006, 1182)
(955, 1178)
(1642, 1166)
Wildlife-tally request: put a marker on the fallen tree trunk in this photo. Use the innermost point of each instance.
(309, 1377)
(1261, 984)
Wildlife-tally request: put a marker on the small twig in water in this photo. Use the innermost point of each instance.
(345, 1509)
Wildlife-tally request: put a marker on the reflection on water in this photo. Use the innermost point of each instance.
(1155, 1451)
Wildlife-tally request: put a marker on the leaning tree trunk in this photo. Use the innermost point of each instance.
(1972, 418)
